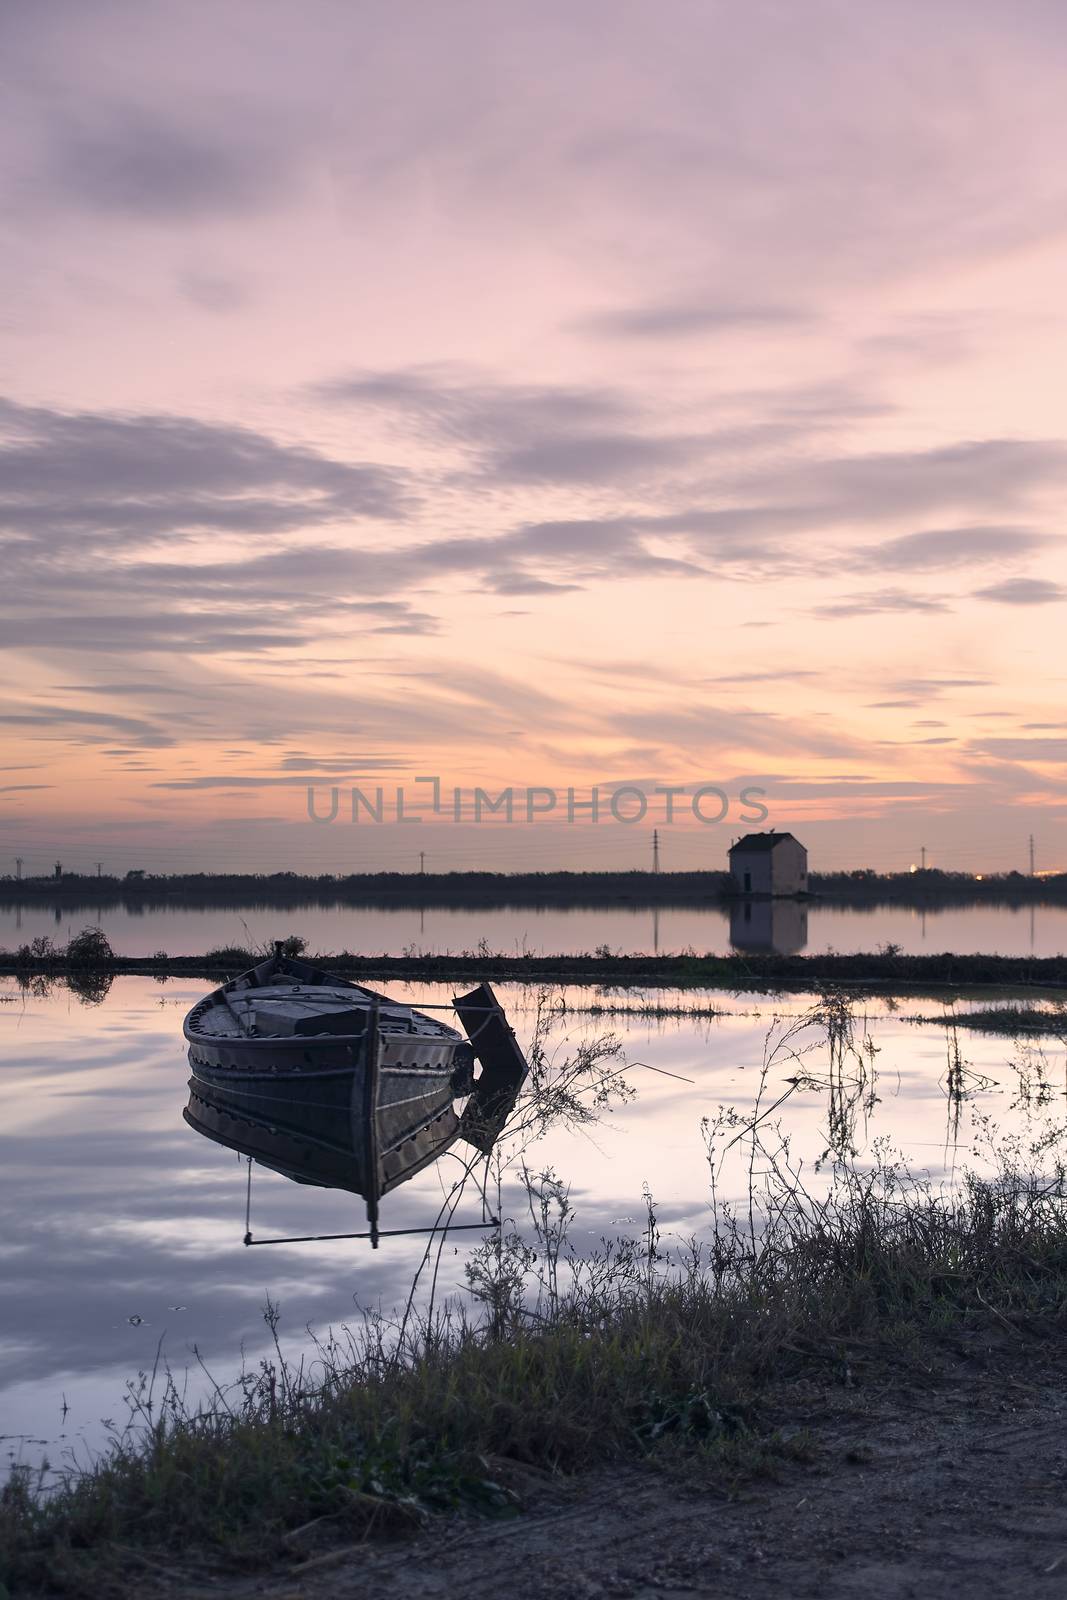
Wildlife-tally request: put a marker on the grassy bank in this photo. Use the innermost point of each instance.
(88, 960)
(639, 1355)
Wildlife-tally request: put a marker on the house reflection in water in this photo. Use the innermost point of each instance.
(780, 925)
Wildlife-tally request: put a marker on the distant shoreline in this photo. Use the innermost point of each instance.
(927, 889)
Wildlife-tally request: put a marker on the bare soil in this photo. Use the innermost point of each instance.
(944, 1478)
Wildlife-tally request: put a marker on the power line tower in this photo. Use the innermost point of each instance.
(1031, 855)
(924, 858)
(422, 863)
(99, 868)
(655, 849)
(18, 869)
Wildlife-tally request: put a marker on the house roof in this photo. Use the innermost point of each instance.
(761, 841)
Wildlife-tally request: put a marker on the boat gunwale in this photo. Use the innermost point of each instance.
(425, 1028)
(310, 1040)
(309, 1074)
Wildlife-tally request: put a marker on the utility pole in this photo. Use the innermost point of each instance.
(655, 849)
(18, 869)
(1031, 855)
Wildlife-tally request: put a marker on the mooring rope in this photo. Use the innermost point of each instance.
(248, 1205)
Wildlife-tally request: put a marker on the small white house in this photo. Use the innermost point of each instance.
(769, 863)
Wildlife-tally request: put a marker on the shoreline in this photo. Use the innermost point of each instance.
(709, 890)
(876, 971)
(871, 1372)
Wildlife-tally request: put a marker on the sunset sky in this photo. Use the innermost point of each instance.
(561, 394)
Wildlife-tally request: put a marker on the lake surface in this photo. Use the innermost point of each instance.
(784, 925)
(121, 1228)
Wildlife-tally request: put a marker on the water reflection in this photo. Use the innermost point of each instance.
(121, 1225)
(780, 925)
(997, 929)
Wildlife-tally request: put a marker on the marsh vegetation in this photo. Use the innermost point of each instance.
(885, 969)
(561, 1358)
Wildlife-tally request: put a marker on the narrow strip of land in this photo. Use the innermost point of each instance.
(878, 971)
(710, 890)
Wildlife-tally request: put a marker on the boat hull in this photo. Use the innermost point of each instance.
(335, 1085)
(324, 1080)
(330, 1151)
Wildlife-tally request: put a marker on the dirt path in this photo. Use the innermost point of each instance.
(955, 1485)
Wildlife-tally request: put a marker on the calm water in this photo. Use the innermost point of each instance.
(1041, 930)
(121, 1227)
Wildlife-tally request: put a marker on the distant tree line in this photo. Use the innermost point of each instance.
(931, 886)
(140, 890)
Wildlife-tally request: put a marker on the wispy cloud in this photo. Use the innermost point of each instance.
(941, 548)
(88, 726)
(673, 319)
(236, 781)
(110, 478)
(216, 292)
(1023, 592)
(1020, 749)
(128, 160)
(879, 601)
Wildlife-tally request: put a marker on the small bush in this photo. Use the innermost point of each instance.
(38, 950)
(229, 955)
(90, 948)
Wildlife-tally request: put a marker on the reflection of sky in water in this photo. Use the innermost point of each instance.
(1041, 930)
(112, 1208)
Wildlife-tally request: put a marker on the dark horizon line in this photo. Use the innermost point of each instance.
(485, 889)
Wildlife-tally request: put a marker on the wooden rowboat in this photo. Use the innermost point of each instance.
(336, 1085)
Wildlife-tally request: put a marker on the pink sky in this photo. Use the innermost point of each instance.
(565, 395)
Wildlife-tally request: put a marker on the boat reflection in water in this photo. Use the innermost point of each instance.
(780, 925)
(334, 1085)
